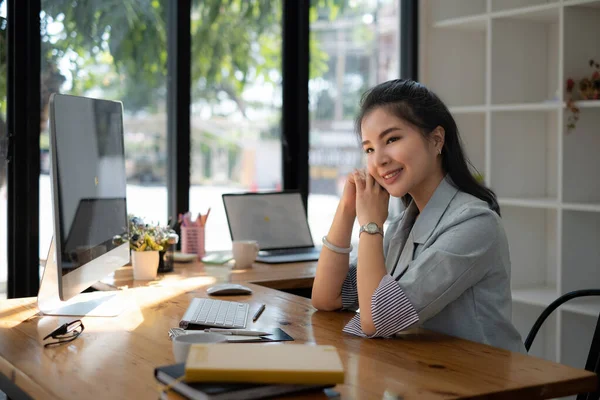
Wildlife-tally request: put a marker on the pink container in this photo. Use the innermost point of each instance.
(192, 240)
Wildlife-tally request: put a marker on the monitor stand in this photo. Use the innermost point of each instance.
(95, 304)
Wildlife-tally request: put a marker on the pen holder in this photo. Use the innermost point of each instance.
(192, 240)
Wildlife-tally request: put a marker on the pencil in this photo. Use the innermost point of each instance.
(260, 310)
(205, 217)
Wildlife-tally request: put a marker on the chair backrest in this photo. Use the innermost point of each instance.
(593, 361)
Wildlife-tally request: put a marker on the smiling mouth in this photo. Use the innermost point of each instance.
(392, 174)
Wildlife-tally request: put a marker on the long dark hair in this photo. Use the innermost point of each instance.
(419, 106)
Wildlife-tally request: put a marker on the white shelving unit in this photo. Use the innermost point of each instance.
(500, 66)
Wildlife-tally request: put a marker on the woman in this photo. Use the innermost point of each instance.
(444, 263)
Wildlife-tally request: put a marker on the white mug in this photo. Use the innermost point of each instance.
(245, 252)
(182, 343)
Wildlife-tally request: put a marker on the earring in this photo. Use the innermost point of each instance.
(440, 152)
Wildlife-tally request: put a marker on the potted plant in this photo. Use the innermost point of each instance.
(147, 242)
(587, 88)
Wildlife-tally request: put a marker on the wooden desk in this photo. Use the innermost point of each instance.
(115, 357)
(276, 276)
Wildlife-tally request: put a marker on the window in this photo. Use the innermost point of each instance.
(361, 42)
(236, 106)
(95, 49)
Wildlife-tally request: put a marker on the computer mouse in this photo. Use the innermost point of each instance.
(228, 289)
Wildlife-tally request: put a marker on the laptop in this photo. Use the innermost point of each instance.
(276, 220)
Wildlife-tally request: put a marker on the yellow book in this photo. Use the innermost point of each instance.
(249, 362)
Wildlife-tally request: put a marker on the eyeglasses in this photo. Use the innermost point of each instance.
(65, 333)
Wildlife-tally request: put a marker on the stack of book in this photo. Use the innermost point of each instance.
(248, 371)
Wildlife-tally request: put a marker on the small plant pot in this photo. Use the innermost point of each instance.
(145, 264)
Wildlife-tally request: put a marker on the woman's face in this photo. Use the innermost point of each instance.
(398, 156)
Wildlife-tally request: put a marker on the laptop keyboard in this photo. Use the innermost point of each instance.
(287, 251)
(216, 313)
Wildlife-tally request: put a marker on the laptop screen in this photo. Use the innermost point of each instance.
(274, 220)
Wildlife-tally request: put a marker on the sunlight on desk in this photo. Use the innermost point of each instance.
(239, 271)
(185, 278)
(282, 276)
(13, 316)
(180, 282)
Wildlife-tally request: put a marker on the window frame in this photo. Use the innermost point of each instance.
(23, 127)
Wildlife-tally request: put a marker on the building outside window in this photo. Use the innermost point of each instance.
(236, 106)
(359, 40)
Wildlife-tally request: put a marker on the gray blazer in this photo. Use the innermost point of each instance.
(456, 269)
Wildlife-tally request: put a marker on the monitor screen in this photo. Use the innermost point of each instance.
(89, 184)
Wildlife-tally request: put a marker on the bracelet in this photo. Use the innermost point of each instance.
(335, 249)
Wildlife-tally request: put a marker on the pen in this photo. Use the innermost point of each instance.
(241, 332)
(260, 310)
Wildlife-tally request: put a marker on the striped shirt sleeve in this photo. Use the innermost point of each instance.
(349, 291)
(391, 310)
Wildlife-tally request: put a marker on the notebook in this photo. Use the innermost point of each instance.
(251, 363)
(214, 391)
(276, 220)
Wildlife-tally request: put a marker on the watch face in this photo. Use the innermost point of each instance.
(372, 227)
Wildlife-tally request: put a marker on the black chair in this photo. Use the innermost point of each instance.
(593, 360)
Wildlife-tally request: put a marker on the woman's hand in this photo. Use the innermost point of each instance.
(372, 200)
(349, 195)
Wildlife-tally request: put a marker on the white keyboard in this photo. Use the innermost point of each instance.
(215, 313)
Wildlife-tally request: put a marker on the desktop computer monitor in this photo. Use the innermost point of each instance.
(87, 170)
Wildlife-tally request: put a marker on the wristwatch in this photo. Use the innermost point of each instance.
(371, 228)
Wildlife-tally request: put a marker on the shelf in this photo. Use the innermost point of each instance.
(590, 207)
(501, 68)
(532, 241)
(546, 106)
(577, 331)
(580, 255)
(581, 162)
(471, 23)
(586, 104)
(586, 306)
(519, 5)
(472, 132)
(548, 203)
(582, 3)
(543, 13)
(525, 145)
(465, 63)
(581, 33)
(524, 62)
(468, 109)
(545, 295)
(537, 296)
(459, 14)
